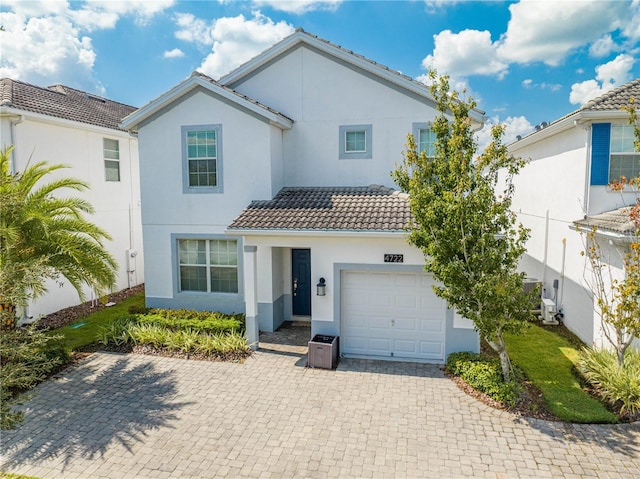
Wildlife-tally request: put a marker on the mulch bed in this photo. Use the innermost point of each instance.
(72, 314)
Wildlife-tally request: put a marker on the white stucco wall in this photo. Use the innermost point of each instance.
(555, 183)
(321, 95)
(116, 204)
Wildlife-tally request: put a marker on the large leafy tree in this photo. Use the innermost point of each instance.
(44, 236)
(467, 231)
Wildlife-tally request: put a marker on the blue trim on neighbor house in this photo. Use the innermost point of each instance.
(600, 144)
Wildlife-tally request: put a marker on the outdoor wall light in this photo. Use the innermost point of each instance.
(322, 287)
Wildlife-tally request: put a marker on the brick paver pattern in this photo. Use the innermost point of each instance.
(115, 416)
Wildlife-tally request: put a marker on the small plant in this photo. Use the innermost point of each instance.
(27, 357)
(115, 332)
(483, 374)
(138, 309)
(617, 385)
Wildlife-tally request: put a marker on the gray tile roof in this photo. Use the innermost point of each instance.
(63, 102)
(616, 98)
(616, 221)
(367, 208)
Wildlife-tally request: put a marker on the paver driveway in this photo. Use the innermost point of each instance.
(136, 416)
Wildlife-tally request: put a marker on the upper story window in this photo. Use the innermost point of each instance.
(624, 159)
(202, 162)
(355, 142)
(209, 266)
(111, 155)
(425, 138)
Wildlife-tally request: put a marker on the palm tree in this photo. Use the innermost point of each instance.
(44, 235)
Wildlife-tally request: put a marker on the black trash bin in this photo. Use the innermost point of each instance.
(323, 351)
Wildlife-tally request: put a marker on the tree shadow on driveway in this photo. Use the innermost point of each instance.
(89, 408)
(618, 438)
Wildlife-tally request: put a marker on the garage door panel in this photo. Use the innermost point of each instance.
(391, 315)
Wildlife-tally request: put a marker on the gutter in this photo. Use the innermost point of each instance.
(613, 236)
(308, 233)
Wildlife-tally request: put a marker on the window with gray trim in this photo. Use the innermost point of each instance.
(624, 159)
(202, 162)
(355, 142)
(208, 266)
(425, 138)
(111, 155)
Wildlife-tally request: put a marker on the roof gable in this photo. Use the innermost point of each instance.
(63, 102)
(300, 37)
(200, 80)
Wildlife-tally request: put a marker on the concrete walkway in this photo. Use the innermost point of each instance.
(130, 416)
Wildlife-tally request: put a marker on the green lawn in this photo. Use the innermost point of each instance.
(83, 332)
(548, 360)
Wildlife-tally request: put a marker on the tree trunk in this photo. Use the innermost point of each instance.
(499, 347)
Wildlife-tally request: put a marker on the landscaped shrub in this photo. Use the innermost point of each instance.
(212, 322)
(183, 331)
(27, 357)
(483, 374)
(617, 386)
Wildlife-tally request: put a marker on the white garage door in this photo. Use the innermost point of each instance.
(391, 315)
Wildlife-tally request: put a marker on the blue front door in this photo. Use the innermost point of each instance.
(301, 278)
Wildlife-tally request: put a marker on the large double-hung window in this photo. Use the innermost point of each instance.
(202, 162)
(209, 266)
(624, 160)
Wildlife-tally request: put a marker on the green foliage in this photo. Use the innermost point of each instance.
(483, 374)
(549, 361)
(463, 225)
(211, 322)
(617, 385)
(77, 337)
(27, 357)
(45, 236)
(189, 332)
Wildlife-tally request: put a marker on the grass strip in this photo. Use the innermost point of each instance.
(548, 360)
(78, 335)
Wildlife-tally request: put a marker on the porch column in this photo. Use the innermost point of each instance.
(251, 295)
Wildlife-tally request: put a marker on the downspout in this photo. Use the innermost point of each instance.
(546, 250)
(14, 161)
(587, 178)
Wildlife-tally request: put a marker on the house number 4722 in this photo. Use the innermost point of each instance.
(393, 258)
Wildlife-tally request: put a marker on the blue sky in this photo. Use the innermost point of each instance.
(524, 62)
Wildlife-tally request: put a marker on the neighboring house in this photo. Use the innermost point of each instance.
(564, 190)
(260, 194)
(59, 124)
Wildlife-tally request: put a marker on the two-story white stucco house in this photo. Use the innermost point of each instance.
(564, 191)
(263, 193)
(59, 124)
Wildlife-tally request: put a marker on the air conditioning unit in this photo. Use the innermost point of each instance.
(549, 312)
(529, 284)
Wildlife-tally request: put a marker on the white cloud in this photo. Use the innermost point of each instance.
(237, 39)
(549, 31)
(514, 126)
(529, 84)
(603, 47)
(465, 53)
(175, 53)
(68, 58)
(299, 7)
(193, 30)
(608, 76)
(62, 27)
